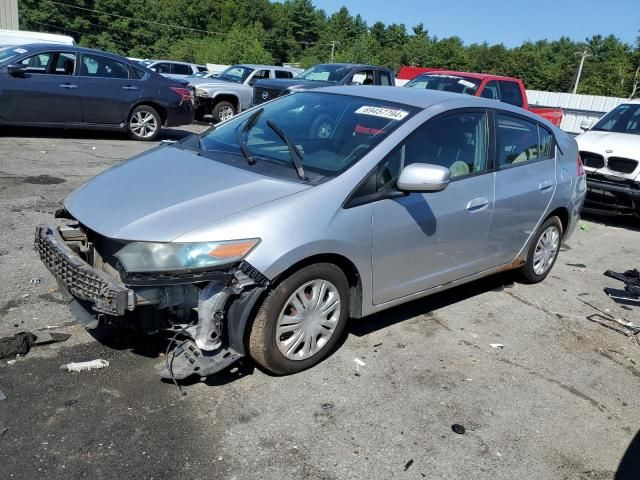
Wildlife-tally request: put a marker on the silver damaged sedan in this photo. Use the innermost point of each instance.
(261, 238)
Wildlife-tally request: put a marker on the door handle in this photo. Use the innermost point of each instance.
(545, 185)
(477, 204)
(130, 87)
(68, 85)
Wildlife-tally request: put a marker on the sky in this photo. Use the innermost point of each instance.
(511, 22)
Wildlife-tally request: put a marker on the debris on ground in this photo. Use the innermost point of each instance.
(577, 265)
(2, 397)
(85, 366)
(21, 343)
(327, 407)
(359, 362)
(584, 227)
(620, 325)
(496, 345)
(18, 344)
(631, 293)
(459, 429)
(35, 280)
(408, 464)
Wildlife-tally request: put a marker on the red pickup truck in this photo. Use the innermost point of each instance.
(506, 89)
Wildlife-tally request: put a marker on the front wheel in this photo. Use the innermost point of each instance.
(543, 251)
(223, 110)
(301, 320)
(144, 123)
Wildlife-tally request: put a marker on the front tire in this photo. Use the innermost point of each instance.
(223, 110)
(144, 123)
(543, 251)
(301, 320)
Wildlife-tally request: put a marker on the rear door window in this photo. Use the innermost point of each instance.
(161, 68)
(547, 145)
(363, 77)
(385, 79)
(283, 74)
(103, 67)
(180, 69)
(517, 140)
(510, 93)
(491, 90)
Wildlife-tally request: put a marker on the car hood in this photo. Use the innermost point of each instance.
(213, 83)
(167, 192)
(283, 84)
(608, 144)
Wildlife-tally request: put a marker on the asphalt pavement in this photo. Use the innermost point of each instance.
(559, 400)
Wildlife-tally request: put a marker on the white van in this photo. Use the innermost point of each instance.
(21, 37)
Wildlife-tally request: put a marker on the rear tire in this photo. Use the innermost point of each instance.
(285, 339)
(144, 123)
(199, 113)
(223, 110)
(543, 251)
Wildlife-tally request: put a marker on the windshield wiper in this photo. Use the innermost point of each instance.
(296, 154)
(241, 132)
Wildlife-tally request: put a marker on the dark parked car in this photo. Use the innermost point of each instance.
(323, 75)
(64, 86)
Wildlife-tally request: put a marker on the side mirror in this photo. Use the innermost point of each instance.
(16, 69)
(423, 177)
(586, 124)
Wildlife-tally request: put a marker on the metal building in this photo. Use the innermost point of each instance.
(576, 107)
(9, 14)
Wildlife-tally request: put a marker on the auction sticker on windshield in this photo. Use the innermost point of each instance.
(388, 113)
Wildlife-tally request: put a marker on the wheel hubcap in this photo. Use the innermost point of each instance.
(308, 320)
(225, 113)
(143, 124)
(546, 250)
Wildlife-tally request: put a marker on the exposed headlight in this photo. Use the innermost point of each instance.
(201, 93)
(153, 257)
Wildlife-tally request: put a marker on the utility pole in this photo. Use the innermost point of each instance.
(333, 49)
(584, 55)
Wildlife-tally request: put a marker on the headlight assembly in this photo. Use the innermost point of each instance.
(154, 257)
(201, 93)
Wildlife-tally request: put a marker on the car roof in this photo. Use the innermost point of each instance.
(423, 98)
(356, 65)
(39, 47)
(478, 76)
(170, 61)
(257, 65)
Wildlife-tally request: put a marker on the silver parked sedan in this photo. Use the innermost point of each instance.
(258, 238)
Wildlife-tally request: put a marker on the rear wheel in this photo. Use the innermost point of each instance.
(199, 113)
(223, 110)
(144, 123)
(301, 320)
(543, 251)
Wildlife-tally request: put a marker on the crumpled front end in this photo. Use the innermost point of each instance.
(208, 307)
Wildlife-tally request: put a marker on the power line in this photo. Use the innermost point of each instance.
(167, 25)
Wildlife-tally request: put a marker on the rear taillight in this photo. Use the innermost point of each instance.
(185, 93)
(580, 167)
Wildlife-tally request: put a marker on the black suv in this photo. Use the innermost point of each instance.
(72, 87)
(323, 75)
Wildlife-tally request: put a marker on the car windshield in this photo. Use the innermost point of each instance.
(235, 74)
(8, 53)
(331, 132)
(447, 83)
(325, 73)
(624, 118)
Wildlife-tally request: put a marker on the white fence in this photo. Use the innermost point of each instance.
(576, 107)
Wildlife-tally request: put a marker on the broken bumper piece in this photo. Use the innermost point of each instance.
(187, 359)
(78, 277)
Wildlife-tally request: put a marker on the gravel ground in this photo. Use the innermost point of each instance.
(561, 400)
